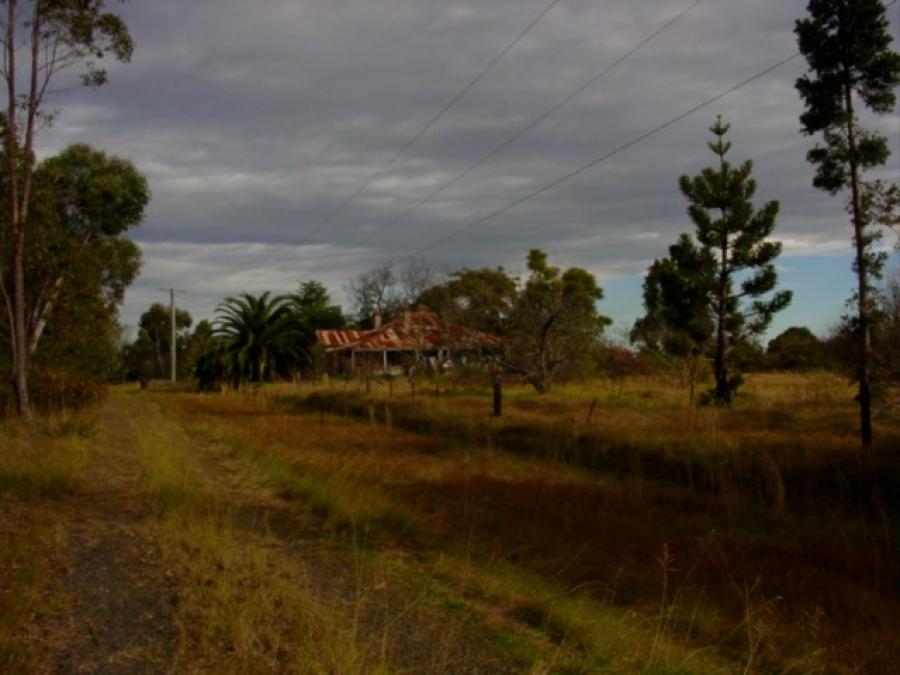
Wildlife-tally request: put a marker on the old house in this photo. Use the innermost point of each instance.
(415, 338)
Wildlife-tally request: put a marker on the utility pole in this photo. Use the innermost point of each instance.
(173, 347)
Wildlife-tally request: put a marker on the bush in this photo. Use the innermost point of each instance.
(53, 390)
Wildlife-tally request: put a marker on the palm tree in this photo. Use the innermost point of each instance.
(259, 337)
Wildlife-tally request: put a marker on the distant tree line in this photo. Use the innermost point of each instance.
(708, 303)
(549, 323)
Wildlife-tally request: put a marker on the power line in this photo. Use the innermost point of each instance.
(434, 120)
(601, 159)
(531, 125)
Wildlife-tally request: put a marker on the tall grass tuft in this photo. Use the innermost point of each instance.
(45, 460)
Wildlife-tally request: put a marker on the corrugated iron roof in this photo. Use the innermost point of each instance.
(337, 338)
(416, 330)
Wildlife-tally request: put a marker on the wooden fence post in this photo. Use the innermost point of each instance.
(498, 394)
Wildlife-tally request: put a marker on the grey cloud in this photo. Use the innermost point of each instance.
(254, 121)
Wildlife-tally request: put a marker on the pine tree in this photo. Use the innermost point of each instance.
(847, 45)
(735, 237)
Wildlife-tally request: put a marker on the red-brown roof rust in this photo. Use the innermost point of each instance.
(420, 329)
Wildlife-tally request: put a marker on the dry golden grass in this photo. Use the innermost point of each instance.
(244, 606)
(789, 443)
(776, 588)
(38, 467)
(359, 468)
(304, 541)
(811, 411)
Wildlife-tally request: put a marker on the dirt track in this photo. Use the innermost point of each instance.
(121, 600)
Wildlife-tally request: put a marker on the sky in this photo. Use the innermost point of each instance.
(255, 121)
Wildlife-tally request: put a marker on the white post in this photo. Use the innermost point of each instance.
(173, 347)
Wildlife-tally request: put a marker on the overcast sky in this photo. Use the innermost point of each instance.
(255, 120)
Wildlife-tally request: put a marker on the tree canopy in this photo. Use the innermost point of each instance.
(483, 299)
(256, 337)
(313, 311)
(78, 263)
(84, 202)
(554, 322)
(796, 348)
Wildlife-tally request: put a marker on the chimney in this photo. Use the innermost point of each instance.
(407, 319)
(377, 320)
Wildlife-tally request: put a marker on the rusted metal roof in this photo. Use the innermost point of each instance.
(417, 330)
(337, 338)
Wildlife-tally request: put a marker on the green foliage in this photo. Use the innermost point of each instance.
(190, 347)
(85, 33)
(734, 250)
(53, 36)
(313, 311)
(258, 337)
(140, 360)
(155, 332)
(554, 322)
(548, 323)
(847, 46)
(678, 319)
(78, 263)
(886, 336)
(90, 193)
(796, 348)
(678, 326)
(84, 202)
(482, 299)
(710, 296)
(842, 343)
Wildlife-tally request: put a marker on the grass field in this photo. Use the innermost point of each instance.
(327, 530)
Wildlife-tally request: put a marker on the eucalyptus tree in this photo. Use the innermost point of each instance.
(847, 44)
(479, 298)
(554, 322)
(156, 328)
(78, 263)
(84, 202)
(52, 36)
(734, 239)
